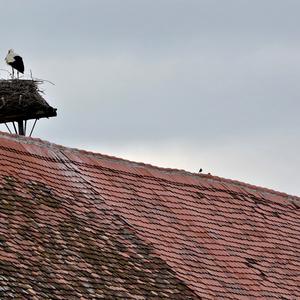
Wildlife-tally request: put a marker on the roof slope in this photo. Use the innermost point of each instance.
(74, 223)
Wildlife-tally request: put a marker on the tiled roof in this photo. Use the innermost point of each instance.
(79, 225)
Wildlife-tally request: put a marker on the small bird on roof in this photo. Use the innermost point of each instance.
(15, 61)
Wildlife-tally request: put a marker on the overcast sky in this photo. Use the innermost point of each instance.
(175, 83)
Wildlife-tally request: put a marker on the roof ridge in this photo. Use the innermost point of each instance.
(44, 143)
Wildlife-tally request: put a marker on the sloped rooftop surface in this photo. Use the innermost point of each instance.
(80, 225)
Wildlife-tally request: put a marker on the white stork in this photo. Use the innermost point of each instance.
(15, 61)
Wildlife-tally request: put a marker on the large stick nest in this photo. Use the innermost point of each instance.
(22, 100)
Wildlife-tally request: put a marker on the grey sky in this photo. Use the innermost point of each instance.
(178, 83)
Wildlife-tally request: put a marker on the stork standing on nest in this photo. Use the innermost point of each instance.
(15, 61)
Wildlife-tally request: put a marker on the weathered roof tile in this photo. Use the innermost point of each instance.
(75, 224)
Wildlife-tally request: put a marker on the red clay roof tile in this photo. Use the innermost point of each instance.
(75, 224)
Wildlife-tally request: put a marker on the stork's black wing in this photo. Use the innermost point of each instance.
(18, 64)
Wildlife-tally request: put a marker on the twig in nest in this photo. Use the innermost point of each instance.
(42, 80)
(3, 102)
